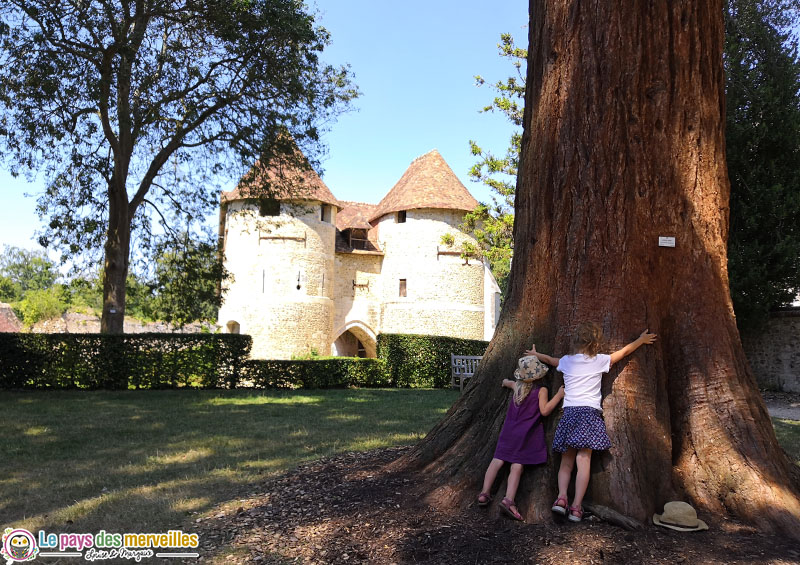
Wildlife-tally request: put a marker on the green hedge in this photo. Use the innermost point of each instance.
(423, 360)
(91, 361)
(145, 360)
(334, 372)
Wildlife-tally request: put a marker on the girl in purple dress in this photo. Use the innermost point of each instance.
(521, 440)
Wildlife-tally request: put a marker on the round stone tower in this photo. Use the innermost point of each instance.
(427, 286)
(281, 250)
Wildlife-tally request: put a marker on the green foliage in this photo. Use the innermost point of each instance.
(42, 304)
(85, 294)
(329, 372)
(763, 153)
(26, 270)
(91, 361)
(184, 288)
(492, 224)
(137, 113)
(139, 298)
(9, 290)
(423, 360)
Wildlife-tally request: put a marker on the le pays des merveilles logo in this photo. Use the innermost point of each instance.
(18, 545)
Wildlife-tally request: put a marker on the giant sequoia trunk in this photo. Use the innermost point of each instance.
(623, 144)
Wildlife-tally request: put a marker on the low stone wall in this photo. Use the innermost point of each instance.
(774, 355)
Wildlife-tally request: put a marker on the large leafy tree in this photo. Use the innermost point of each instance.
(138, 111)
(763, 147)
(763, 153)
(22, 270)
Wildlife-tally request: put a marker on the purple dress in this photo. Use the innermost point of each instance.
(522, 437)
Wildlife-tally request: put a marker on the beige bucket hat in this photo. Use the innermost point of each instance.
(679, 516)
(530, 369)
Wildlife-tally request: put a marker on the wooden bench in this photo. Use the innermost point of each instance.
(462, 367)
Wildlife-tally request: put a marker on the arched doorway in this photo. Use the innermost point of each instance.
(356, 340)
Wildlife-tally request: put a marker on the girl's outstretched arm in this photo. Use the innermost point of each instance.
(508, 383)
(542, 357)
(644, 339)
(545, 406)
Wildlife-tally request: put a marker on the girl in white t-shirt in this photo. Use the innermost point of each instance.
(582, 429)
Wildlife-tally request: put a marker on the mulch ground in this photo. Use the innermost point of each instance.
(349, 509)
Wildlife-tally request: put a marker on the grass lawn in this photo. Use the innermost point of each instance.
(788, 433)
(143, 461)
(146, 461)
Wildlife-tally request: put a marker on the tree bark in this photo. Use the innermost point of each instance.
(117, 257)
(624, 144)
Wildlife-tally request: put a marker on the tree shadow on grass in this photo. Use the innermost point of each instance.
(146, 460)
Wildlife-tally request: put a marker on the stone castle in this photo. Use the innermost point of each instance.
(315, 274)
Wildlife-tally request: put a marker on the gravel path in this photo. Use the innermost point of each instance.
(784, 405)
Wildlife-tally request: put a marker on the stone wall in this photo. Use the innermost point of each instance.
(282, 292)
(293, 293)
(774, 355)
(359, 302)
(416, 254)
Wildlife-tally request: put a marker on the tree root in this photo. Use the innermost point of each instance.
(614, 517)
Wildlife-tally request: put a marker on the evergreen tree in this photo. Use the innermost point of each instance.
(763, 153)
(492, 224)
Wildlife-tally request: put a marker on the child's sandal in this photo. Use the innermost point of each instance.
(560, 506)
(575, 513)
(507, 506)
(484, 499)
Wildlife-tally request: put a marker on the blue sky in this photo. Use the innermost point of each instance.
(415, 63)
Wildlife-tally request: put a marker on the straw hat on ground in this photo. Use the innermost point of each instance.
(679, 516)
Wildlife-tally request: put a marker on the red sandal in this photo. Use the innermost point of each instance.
(575, 513)
(560, 508)
(484, 499)
(508, 507)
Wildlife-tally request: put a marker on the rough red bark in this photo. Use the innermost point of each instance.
(624, 143)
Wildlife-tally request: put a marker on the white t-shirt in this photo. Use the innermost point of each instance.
(582, 378)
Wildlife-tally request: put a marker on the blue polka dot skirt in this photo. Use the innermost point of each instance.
(581, 427)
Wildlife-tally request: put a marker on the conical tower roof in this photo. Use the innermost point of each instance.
(429, 182)
(287, 178)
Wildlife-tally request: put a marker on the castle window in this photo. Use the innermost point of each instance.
(325, 213)
(401, 217)
(358, 239)
(403, 287)
(269, 207)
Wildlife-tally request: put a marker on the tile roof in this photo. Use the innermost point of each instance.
(355, 215)
(8, 320)
(370, 247)
(429, 182)
(290, 178)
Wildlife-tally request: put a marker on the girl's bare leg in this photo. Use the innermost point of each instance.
(513, 480)
(584, 460)
(491, 474)
(565, 471)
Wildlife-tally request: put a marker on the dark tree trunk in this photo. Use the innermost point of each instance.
(623, 144)
(115, 271)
